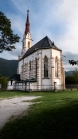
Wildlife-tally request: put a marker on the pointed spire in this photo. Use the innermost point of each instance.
(27, 29)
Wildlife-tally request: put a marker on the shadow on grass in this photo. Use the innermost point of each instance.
(58, 123)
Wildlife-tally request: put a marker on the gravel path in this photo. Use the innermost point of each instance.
(13, 107)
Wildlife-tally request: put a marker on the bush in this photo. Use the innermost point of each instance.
(3, 81)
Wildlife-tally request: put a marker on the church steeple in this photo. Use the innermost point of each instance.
(27, 39)
(27, 28)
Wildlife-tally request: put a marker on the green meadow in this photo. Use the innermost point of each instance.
(52, 116)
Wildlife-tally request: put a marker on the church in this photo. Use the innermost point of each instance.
(39, 66)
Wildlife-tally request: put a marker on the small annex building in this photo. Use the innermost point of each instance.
(39, 66)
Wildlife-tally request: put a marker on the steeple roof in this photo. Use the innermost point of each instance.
(27, 28)
(45, 43)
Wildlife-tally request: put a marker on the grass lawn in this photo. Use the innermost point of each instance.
(11, 94)
(54, 117)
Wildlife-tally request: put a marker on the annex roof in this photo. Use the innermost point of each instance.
(45, 43)
(27, 80)
(15, 77)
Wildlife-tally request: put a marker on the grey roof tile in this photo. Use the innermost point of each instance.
(45, 43)
(15, 77)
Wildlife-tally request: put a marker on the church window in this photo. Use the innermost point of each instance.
(45, 66)
(30, 65)
(28, 44)
(36, 68)
(56, 67)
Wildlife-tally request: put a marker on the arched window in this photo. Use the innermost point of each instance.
(36, 67)
(45, 66)
(30, 65)
(56, 67)
(28, 44)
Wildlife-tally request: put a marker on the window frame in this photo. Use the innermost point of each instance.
(28, 44)
(45, 67)
(30, 65)
(56, 67)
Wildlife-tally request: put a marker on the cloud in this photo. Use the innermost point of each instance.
(56, 19)
(68, 12)
(69, 56)
(8, 55)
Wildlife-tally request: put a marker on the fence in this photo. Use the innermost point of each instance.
(54, 87)
(0, 86)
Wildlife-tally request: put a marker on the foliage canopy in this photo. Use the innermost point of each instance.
(7, 38)
(72, 79)
(73, 62)
(3, 81)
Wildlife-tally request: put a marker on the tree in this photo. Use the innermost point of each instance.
(73, 62)
(75, 72)
(73, 79)
(7, 38)
(3, 81)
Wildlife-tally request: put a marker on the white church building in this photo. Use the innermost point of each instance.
(39, 66)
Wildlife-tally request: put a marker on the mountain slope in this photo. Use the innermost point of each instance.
(68, 73)
(8, 67)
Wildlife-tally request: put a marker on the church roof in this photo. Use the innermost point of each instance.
(15, 77)
(45, 43)
(27, 80)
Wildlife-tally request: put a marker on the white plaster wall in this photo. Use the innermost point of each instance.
(58, 81)
(46, 84)
(28, 86)
(20, 64)
(45, 52)
(30, 57)
(18, 86)
(40, 54)
(28, 38)
(58, 84)
(9, 86)
(33, 86)
(54, 54)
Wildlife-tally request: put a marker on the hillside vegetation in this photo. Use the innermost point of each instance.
(8, 67)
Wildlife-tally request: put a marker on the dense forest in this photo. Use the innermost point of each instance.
(8, 67)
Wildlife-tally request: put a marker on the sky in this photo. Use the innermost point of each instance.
(57, 19)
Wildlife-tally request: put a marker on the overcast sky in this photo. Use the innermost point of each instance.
(57, 19)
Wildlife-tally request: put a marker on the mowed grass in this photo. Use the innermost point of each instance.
(11, 94)
(55, 116)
